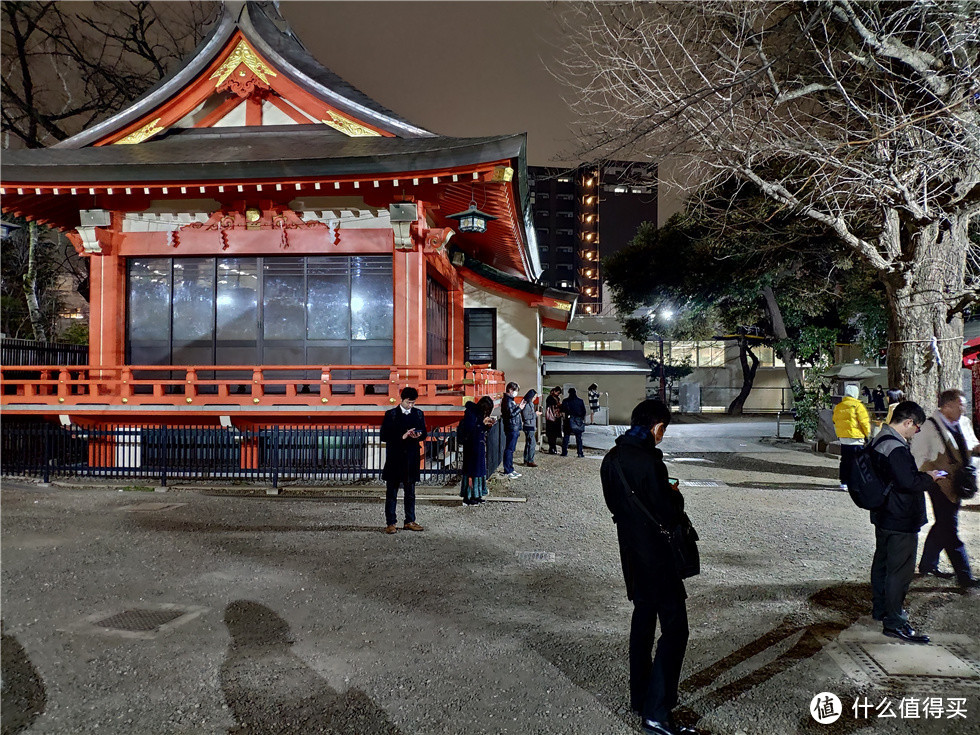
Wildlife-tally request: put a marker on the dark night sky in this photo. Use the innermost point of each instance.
(456, 68)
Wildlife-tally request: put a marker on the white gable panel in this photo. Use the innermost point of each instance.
(272, 115)
(235, 118)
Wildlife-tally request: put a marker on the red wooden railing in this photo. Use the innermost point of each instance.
(243, 385)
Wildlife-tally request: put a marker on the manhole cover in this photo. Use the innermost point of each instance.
(699, 483)
(866, 658)
(139, 621)
(536, 556)
(143, 622)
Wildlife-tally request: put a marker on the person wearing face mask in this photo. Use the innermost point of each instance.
(946, 443)
(898, 521)
(402, 430)
(639, 495)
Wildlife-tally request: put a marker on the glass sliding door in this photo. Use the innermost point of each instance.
(436, 327)
(193, 311)
(325, 310)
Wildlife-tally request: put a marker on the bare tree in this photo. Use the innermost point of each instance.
(67, 65)
(863, 117)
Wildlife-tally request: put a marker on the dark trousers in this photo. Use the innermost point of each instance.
(553, 431)
(944, 536)
(578, 443)
(510, 437)
(654, 677)
(847, 454)
(391, 501)
(891, 574)
(530, 442)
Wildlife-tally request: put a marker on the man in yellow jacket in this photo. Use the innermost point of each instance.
(853, 427)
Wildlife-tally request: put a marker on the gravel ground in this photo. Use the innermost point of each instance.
(305, 618)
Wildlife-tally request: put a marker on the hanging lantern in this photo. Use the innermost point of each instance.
(472, 220)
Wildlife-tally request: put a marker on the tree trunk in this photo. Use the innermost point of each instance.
(925, 350)
(30, 285)
(793, 372)
(748, 375)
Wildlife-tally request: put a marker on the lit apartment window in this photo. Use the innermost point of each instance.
(564, 180)
(564, 249)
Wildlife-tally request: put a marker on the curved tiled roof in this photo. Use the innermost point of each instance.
(265, 28)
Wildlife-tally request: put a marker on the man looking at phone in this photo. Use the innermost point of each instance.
(637, 490)
(898, 521)
(402, 430)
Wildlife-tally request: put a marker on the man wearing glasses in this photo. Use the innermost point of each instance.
(898, 521)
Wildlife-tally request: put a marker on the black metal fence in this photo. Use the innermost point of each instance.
(29, 352)
(165, 453)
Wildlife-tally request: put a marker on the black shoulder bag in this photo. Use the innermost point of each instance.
(965, 477)
(682, 538)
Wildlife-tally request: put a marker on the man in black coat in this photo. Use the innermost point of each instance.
(573, 409)
(402, 430)
(652, 582)
(898, 521)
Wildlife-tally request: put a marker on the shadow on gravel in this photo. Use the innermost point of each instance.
(840, 607)
(24, 695)
(751, 464)
(272, 691)
(598, 663)
(173, 525)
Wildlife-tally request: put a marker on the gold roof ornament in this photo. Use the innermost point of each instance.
(242, 54)
(348, 127)
(147, 131)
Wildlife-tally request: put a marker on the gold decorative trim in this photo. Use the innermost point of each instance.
(242, 54)
(147, 131)
(349, 127)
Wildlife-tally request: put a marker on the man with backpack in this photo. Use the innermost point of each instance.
(897, 521)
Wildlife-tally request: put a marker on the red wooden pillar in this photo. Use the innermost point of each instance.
(250, 453)
(409, 293)
(107, 320)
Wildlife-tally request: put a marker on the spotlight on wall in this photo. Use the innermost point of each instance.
(402, 215)
(94, 217)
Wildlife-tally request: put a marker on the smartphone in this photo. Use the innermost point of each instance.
(941, 473)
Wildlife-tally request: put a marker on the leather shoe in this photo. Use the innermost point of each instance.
(658, 728)
(412, 526)
(969, 584)
(905, 633)
(937, 573)
(530, 464)
(681, 729)
(391, 529)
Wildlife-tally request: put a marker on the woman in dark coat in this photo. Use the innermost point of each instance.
(472, 434)
(552, 419)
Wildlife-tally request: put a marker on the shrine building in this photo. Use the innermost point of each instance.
(269, 246)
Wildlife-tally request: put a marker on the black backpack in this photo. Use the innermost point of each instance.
(866, 489)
